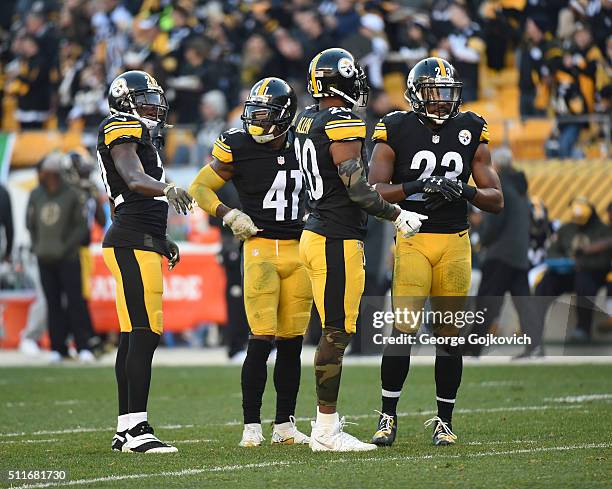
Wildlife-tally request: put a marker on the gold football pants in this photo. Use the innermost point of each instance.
(138, 277)
(431, 264)
(277, 291)
(337, 272)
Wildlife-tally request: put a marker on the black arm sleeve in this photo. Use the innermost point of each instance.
(361, 192)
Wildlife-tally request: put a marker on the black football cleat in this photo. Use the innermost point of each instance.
(118, 441)
(387, 430)
(141, 439)
(442, 433)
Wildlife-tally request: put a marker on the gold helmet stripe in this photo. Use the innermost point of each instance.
(442, 67)
(314, 62)
(262, 87)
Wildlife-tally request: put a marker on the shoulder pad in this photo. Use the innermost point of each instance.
(229, 140)
(122, 127)
(342, 124)
(380, 130)
(485, 137)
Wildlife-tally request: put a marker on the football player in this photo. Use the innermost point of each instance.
(133, 247)
(329, 148)
(260, 160)
(422, 160)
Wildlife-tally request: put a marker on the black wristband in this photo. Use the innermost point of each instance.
(468, 192)
(410, 188)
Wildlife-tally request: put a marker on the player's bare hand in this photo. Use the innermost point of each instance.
(241, 225)
(179, 199)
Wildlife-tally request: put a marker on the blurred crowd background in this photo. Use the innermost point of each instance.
(539, 71)
(518, 59)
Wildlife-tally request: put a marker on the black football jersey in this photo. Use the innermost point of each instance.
(421, 152)
(332, 213)
(133, 211)
(268, 181)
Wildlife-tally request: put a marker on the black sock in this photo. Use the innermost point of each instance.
(121, 374)
(287, 372)
(393, 372)
(143, 343)
(253, 379)
(448, 372)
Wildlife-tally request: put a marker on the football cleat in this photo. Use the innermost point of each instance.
(118, 441)
(387, 430)
(288, 434)
(141, 439)
(251, 435)
(443, 431)
(334, 439)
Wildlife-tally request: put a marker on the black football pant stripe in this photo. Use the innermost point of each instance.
(133, 287)
(335, 282)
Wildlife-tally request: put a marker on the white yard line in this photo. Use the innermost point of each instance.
(356, 416)
(431, 413)
(193, 441)
(10, 442)
(229, 468)
(580, 398)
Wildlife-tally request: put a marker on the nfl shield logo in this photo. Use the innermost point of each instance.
(435, 138)
(280, 160)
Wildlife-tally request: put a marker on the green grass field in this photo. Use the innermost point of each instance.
(514, 431)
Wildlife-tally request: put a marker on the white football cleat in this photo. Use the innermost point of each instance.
(141, 439)
(333, 439)
(251, 435)
(288, 434)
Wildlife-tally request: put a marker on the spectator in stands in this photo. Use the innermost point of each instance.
(535, 54)
(344, 21)
(33, 84)
(540, 231)
(90, 105)
(311, 34)
(57, 225)
(213, 112)
(574, 89)
(36, 25)
(369, 45)
(504, 238)
(466, 47)
(189, 81)
(588, 242)
(6, 225)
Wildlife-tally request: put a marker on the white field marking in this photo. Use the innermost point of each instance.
(88, 430)
(193, 441)
(495, 383)
(226, 468)
(505, 442)
(581, 398)
(430, 413)
(10, 442)
(356, 416)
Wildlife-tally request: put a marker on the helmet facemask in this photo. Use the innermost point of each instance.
(437, 99)
(265, 122)
(150, 106)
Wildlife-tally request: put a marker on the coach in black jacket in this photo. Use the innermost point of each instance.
(505, 241)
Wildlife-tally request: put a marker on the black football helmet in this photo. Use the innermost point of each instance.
(434, 90)
(335, 73)
(269, 110)
(137, 93)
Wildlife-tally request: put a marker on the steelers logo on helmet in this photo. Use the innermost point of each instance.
(346, 67)
(465, 137)
(119, 88)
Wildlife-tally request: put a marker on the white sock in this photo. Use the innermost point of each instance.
(137, 418)
(123, 423)
(327, 419)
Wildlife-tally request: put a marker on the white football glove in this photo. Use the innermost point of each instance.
(408, 223)
(241, 225)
